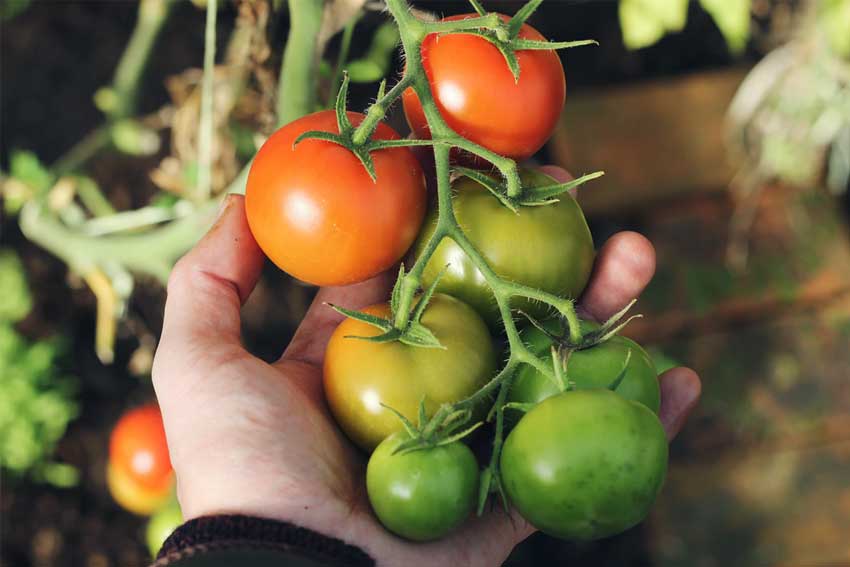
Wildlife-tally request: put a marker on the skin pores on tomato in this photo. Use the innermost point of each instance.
(547, 247)
(138, 449)
(317, 214)
(585, 464)
(422, 495)
(477, 96)
(360, 375)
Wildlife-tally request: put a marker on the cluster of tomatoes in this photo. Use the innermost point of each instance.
(589, 456)
(139, 474)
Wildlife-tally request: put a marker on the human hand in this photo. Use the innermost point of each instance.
(252, 438)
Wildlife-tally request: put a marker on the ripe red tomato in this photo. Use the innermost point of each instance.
(476, 93)
(138, 450)
(317, 214)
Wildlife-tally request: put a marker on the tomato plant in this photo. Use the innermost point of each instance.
(422, 494)
(595, 367)
(585, 464)
(480, 98)
(547, 247)
(138, 449)
(360, 376)
(317, 214)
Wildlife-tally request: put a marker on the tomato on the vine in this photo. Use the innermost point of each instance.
(317, 214)
(139, 451)
(594, 367)
(547, 247)
(478, 97)
(361, 375)
(422, 494)
(585, 464)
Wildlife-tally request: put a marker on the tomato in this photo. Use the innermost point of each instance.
(317, 214)
(162, 524)
(424, 494)
(138, 449)
(477, 96)
(547, 247)
(594, 367)
(585, 464)
(133, 496)
(360, 375)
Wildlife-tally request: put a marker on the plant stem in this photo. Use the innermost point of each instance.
(296, 92)
(342, 57)
(205, 133)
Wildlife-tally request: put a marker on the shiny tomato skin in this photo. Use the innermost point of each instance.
(133, 496)
(547, 247)
(138, 448)
(360, 375)
(422, 495)
(317, 214)
(585, 464)
(477, 96)
(594, 367)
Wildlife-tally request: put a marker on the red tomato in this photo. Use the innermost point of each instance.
(317, 214)
(476, 93)
(138, 450)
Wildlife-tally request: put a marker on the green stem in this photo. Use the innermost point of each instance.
(82, 151)
(296, 92)
(378, 111)
(205, 134)
(342, 58)
(491, 20)
(125, 85)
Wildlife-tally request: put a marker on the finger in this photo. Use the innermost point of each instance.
(207, 288)
(680, 392)
(311, 338)
(623, 268)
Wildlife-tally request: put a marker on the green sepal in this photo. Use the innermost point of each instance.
(619, 379)
(524, 407)
(423, 417)
(426, 296)
(365, 158)
(460, 435)
(520, 44)
(479, 9)
(507, 52)
(544, 195)
(388, 337)
(342, 121)
(521, 16)
(406, 423)
(419, 335)
(495, 187)
(396, 293)
(484, 482)
(382, 89)
(374, 320)
(319, 135)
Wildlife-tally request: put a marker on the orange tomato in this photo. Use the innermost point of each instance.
(138, 449)
(317, 214)
(477, 96)
(133, 496)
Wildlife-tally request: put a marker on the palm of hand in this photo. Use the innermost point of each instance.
(248, 437)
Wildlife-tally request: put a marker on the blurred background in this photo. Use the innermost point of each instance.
(724, 130)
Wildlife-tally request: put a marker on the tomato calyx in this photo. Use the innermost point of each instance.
(435, 432)
(529, 196)
(358, 140)
(413, 333)
(505, 36)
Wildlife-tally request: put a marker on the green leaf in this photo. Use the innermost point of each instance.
(17, 301)
(834, 18)
(521, 16)
(643, 22)
(377, 61)
(419, 335)
(733, 19)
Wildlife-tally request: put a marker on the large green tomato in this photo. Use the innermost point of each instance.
(594, 367)
(546, 247)
(360, 375)
(585, 464)
(422, 495)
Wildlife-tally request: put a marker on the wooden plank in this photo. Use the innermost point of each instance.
(653, 140)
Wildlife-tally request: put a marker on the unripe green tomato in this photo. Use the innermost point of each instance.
(547, 247)
(162, 524)
(422, 495)
(585, 465)
(361, 377)
(594, 367)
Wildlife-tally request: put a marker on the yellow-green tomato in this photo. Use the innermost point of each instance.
(594, 367)
(162, 524)
(547, 247)
(360, 376)
(422, 495)
(585, 464)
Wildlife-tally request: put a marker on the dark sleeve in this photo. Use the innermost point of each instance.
(215, 541)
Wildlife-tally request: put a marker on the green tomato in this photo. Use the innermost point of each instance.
(585, 465)
(546, 247)
(422, 495)
(360, 377)
(162, 524)
(594, 367)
